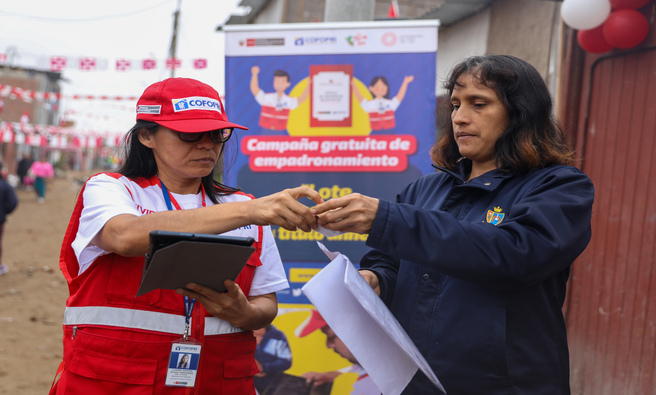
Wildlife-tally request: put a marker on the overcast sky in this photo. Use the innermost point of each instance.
(32, 31)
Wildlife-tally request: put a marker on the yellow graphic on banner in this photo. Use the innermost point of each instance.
(302, 275)
(299, 118)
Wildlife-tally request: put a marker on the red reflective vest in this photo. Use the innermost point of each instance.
(116, 343)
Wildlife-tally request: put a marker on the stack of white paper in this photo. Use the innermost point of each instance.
(366, 326)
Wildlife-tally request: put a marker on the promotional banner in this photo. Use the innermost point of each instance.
(343, 108)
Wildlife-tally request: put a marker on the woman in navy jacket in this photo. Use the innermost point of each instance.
(473, 260)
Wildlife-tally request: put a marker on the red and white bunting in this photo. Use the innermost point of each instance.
(87, 63)
(55, 136)
(28, 96)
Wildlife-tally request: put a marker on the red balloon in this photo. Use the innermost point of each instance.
(593, 40)
(627, 4)
(625, 28)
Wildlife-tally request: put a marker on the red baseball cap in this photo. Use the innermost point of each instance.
(184, 105)
(312, 323)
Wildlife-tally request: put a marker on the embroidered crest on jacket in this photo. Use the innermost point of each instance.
(495, 216)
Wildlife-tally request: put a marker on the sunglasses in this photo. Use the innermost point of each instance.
(217, 136)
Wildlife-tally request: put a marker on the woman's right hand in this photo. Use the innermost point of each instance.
(284, 209)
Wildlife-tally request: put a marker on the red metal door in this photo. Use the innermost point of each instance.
(611, 308)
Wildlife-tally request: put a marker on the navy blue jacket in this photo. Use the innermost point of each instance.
(476, 273)
(8, 200)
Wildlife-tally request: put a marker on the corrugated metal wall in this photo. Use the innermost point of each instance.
(611, 307)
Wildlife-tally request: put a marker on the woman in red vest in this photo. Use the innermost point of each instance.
(117, 343)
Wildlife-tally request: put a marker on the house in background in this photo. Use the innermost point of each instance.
(20, 107)
(524, 28)
(607, 103)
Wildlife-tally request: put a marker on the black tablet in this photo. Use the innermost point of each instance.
(175, 259)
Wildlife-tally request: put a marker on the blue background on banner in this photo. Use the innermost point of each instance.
(415, 116)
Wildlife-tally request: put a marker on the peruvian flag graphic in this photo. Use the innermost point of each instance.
(393, 10)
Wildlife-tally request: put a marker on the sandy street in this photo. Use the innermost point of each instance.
(33, 293)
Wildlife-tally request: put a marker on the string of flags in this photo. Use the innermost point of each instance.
(61, 136)
(86, 63)
(60, 63)
(55, 136)
(28, 95)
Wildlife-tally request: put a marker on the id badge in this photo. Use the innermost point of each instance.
(183, 363)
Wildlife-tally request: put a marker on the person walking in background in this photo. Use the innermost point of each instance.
(42, 172)
(116, 342)
(473, 260)
(22, 169)
(8, 203)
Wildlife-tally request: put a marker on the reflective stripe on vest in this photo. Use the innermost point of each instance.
(141, 319)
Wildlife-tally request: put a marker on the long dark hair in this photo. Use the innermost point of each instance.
(533, 137)
(139, 161)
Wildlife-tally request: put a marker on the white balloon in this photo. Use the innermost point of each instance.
(584, 14)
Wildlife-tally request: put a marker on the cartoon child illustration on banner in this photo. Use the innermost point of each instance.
(275, 105)
(381, 108)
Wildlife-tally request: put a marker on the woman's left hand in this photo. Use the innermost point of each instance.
(351, 213)
(233, 306)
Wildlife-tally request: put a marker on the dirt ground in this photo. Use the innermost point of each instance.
(33, 293)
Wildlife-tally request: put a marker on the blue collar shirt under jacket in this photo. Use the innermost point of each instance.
(476, 273)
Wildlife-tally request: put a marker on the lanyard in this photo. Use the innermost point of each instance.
(189, 307)
(170, 202)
